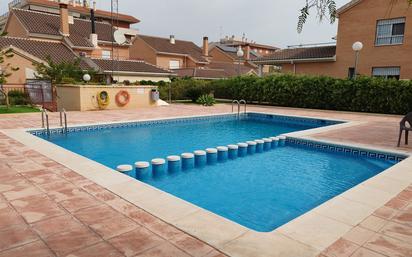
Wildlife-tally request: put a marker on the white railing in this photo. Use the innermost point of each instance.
(15, 3)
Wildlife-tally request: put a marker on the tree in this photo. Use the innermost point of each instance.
(326, 9)
(63, 72)
(6, 70)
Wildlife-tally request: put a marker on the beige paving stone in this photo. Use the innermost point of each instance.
(267, 245)
(315, 230)
(345, 210)
(372, 197)
(387, 184)
(210, 228)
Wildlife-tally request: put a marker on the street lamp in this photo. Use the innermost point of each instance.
(357, 47)
(240, 55)
(87, 77)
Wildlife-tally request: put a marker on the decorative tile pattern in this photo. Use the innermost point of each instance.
(347, 150)
(251, 115)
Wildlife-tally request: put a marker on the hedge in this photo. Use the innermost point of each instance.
(364, 94)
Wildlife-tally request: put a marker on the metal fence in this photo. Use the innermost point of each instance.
(36, 92)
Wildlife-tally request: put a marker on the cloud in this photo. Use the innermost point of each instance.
(265, 21)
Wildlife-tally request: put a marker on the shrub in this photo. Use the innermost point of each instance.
(206, 100)
(17, 97)
(185, 89)
(364, 94)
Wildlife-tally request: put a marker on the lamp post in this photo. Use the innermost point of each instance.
(357, 47)
(240, 55)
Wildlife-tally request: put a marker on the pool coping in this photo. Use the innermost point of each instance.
(307, 235)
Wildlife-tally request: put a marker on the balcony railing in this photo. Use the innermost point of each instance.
(15, 3)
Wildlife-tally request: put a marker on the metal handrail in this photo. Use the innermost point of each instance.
(239, 103)
(47, 122)
(235, 102)
(63, 113)
(42, 116)
(244, 102)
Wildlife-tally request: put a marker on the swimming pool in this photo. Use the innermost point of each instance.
(117, 144)
(261, 191)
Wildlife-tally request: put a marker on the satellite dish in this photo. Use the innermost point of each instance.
(119, 37)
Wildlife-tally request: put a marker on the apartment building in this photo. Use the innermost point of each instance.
(383, 26)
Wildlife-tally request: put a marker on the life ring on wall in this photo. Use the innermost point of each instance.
(122, 98)
(103, 99)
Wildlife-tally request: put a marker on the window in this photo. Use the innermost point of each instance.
(351, 72)
(390, 32)
(106, 54)
(174, 64)
(387, 72)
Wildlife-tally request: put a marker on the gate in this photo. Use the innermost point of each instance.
(41, 92)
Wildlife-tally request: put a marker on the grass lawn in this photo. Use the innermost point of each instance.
(17, 109)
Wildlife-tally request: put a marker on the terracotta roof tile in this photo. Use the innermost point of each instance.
(58, 52)
(215, 71)
(300, 53)
(85, 10)
(180, 47)
(128, 66)
(231, 69)
(49, 24)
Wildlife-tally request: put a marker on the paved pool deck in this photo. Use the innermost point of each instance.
(46, 209)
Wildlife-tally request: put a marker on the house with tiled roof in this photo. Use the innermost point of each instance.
(222, 53)
(27, 52)
(383, 27)
(77, 33)
(243, 42)
(216, 70)
(77, 9)
(168, 53)
(90, 40)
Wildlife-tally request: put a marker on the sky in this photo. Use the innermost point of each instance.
(270, 22)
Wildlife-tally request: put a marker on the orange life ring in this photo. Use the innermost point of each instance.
(122, 98)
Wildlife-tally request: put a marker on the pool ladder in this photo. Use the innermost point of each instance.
(239, 103)
(45, 121)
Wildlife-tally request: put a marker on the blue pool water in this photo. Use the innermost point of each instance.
(115, 146)
(265, 191)
(261, 191)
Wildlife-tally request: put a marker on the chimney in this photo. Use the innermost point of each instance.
(93, 35)
(64, 17)
(247, 52)
(172, 39)
(205, 46)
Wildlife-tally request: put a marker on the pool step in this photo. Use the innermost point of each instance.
(202, 158)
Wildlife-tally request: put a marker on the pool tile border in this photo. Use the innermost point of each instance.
(344, 149)
(225, 116)
(307, 235)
